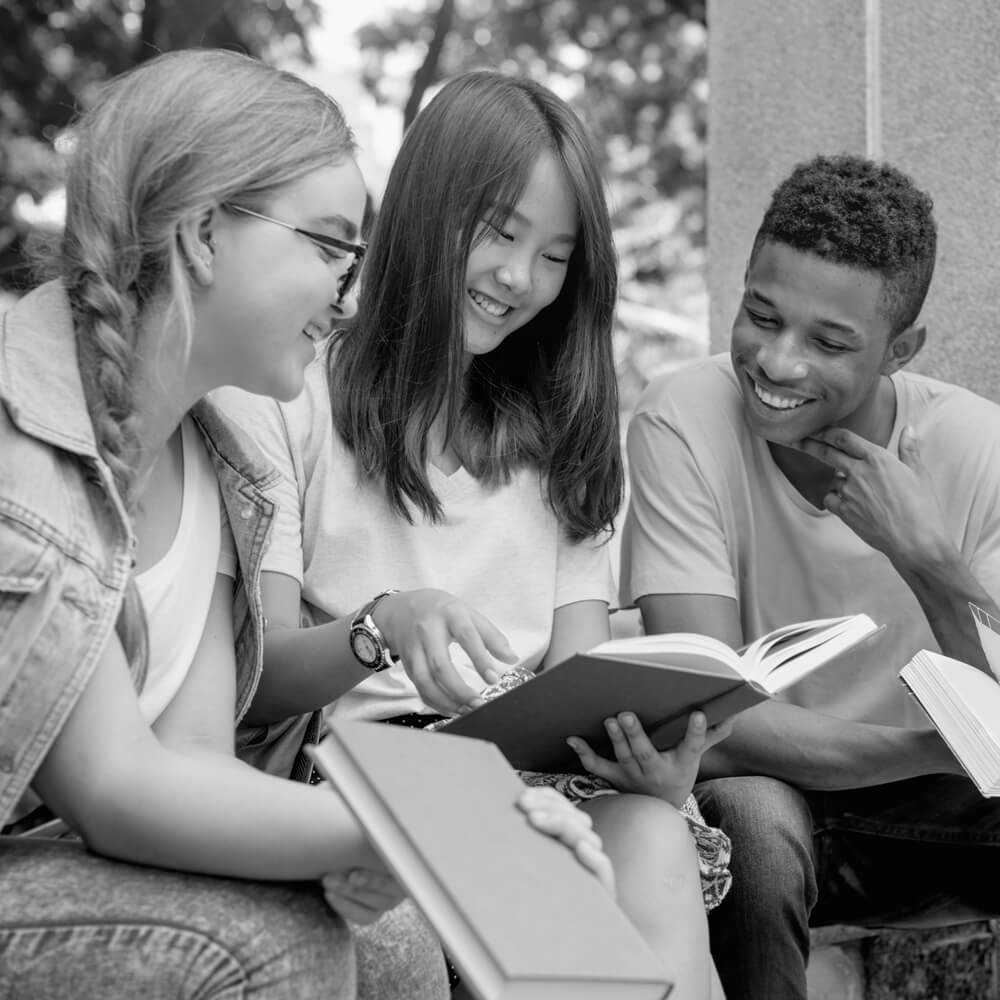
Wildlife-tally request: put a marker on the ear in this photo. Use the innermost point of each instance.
(903, 348)
(194, 237)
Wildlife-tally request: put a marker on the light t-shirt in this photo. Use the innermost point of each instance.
(176, 591)
(500, 549)
(711, 513)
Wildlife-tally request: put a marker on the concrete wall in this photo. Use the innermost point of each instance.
(915, 82)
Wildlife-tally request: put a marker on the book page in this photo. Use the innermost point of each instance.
(671, 648)
(787, 655)
(989, 637)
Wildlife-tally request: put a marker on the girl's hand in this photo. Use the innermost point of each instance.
(550, 813)
(639, 767)
(420, 625)
(361, 895)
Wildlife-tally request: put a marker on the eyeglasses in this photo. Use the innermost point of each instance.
(321, 240)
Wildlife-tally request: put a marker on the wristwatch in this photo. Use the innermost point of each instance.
(367, 642)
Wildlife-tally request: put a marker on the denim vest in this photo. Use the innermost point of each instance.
(66, 549)
(244, 477)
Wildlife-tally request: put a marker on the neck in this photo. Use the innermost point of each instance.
(165, 388)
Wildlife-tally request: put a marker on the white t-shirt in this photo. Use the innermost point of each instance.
(501, 549)
(711, 513)
(176, 591)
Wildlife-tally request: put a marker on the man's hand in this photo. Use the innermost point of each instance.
(887, 501)
(640, 768)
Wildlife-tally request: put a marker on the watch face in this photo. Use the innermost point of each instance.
(364, 648)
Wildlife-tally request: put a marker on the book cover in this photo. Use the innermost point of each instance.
(520, 917)
(660, 678)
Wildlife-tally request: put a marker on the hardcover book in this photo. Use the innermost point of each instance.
(661, 678)
(519, 916)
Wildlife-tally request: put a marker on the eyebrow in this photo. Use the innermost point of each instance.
(341, 222)
(520, 217)
(826, 324)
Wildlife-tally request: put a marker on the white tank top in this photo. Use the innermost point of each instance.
(177, 590)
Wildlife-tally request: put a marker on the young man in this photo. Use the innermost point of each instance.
(804, 476)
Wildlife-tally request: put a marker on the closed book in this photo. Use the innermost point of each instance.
(660, 678)
(519, 916)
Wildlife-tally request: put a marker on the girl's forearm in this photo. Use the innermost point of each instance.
(304, 669)
(215, 815)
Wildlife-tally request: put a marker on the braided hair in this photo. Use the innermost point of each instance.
(180, 133)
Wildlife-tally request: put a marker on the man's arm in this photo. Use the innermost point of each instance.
(799, 746)
(889, 502)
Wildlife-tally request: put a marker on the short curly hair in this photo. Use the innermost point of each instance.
(867, 215)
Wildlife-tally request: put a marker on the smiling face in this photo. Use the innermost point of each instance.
(518, 267)
(273, 291)
(810, 345)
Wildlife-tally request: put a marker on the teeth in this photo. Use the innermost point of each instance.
(489, 305)
(777, 402)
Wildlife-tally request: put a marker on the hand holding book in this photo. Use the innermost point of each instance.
(553, 814)
(640, 768)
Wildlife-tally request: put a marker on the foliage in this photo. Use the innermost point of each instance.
(55, 53)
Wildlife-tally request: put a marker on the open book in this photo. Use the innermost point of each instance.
(519, 916)
(661, 678)
(963, 702)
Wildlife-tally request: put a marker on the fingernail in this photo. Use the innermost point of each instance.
(573, 745)
(492, 676)
(612, 725)
(627, 719)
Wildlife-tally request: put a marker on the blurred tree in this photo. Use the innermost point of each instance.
(635, 70)
(55, 53)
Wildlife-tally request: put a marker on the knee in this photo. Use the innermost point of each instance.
(288, 935)
(639, 827)
(770, 826)
(399, 956)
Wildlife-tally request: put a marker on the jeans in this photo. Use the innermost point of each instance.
(75, 925)
(908, 853)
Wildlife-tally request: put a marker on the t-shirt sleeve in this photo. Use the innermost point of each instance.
(263, 420)
(583, 572)
(673, 539)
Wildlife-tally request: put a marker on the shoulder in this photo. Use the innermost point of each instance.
(699, 400)
(37, 478)
(692, 387)
(947, 413)
(698, 405)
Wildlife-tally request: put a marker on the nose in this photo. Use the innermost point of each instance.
(515, 274)
(779, 359)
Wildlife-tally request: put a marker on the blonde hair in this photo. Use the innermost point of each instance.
(184, 131)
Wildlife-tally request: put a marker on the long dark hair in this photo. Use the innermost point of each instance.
(547, 397)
